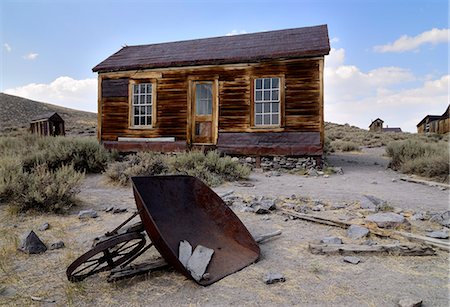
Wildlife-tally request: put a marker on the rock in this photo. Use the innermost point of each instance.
(248, 160)
(302, 209)
(326, 176)
(352, 259)
(261, 210)
(318, 208)
(371, 203)
(386, 219)
(247, 209)
(85, 214)
(44, 227)
(120, 210)
(437, 234)
(374, 182)
(410, 302)
(394, 180)
(235, 159)
(312, 172)
(271, 278)
(422, 215)
(109, 209)
(199, 261)
(57, 245)
(331, 240)
(338, 170)
(273, 174)
(356, 232)
(184, 252)
(370, 242)
(320, 173)
(31, 244)
(337, 206)
(441, 218)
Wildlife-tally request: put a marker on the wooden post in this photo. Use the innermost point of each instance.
(258, 161)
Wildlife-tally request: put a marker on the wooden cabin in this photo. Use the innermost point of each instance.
(376, 125)
(250, 94)
(435, 123)
(49, 124)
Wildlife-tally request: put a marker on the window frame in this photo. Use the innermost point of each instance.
(253, 103)
(131, 116)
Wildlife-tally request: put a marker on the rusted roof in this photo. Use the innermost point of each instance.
(47, 116)
(254, 47)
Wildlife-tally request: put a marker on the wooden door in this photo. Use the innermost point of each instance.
(203, 107)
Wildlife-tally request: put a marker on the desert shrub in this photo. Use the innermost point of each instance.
(345, 146)
(140, 164)
(41, 189)
(210, 167)
(428, 159)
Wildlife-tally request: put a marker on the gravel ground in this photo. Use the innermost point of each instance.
(311, 280)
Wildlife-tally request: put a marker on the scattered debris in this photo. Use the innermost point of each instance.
(394, 249)
(57, 245)
(85, 214)
(356, 232)
(387, 219)
(199, 261)
(331, 240)
(441, 218)
(410, 302)
(371, 203)
(44, 226)
(137, 269)
(352, 259)
(262, 238)
(120, 210)
(185, 252)
(31, 244)
(227, 193)
(438, 234)
(271, 278)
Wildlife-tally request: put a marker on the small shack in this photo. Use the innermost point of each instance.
(250, 94)
(49, 124)
(377, 126)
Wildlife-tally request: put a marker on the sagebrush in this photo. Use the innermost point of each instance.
(45, 173)
(420, 158)
(210, 167)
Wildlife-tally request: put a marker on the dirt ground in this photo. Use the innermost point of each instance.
(311, 280)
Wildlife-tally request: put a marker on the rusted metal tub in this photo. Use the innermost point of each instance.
(176, 208)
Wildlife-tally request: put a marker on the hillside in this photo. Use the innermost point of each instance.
(16, 112)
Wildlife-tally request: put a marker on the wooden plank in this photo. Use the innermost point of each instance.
(391, 249)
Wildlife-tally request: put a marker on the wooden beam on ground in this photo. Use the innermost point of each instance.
(350, 249)
(426, 182)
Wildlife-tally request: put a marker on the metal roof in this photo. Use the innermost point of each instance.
(254, 47)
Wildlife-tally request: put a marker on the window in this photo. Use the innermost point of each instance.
(142, 104)
(203, 98)
(267, 102)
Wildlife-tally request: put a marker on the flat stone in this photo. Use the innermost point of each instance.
(437, 234)
(44, 227)
(261, 210)
(109, 209)
(352, 259)
(184, 252)
(248, 159)
(331, 240)
(318, 208)
(386, 219)
(199, 261)
(57, 245)
(271, 278)
(371, 202)
(85, 214)
(120, 210)
(356, 232)
(410, 302)
(31, 244)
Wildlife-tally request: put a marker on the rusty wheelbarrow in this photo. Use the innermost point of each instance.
(179, 214)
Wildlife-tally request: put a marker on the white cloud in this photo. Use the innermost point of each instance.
(334, 40)
(31, 56)
(236, 32)
(357, 97)
(64, 91)
(407, 43)
(7, 47)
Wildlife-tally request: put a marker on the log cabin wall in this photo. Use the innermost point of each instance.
(302, 95)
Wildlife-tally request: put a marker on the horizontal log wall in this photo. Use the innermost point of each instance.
(303, 100)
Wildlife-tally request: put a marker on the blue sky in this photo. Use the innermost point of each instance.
(49, 47)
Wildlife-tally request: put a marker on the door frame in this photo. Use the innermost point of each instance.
(190, 129)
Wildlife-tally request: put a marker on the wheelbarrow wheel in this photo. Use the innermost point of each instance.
(106, 255)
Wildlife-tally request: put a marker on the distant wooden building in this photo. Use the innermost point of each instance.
(250, 94)
(435, 123)
(49, 124)
(377, 126)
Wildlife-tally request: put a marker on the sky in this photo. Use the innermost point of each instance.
(389, 59)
